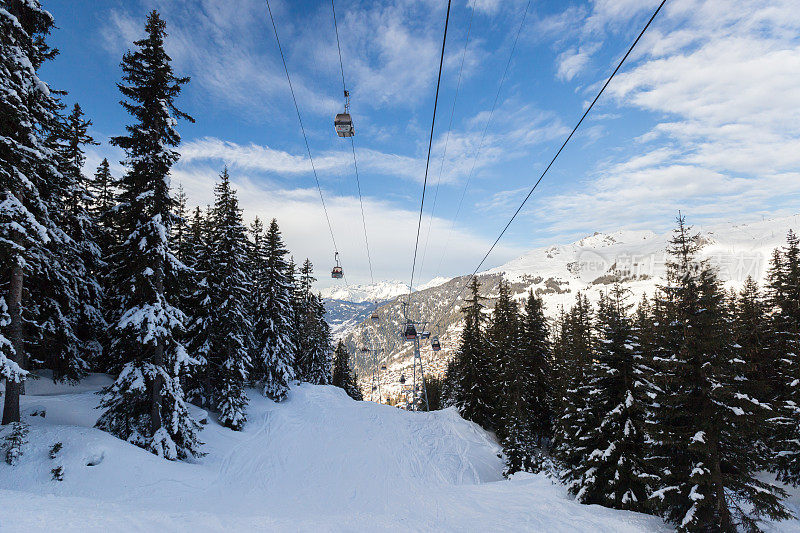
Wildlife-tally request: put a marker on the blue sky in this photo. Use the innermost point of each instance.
(705, 117)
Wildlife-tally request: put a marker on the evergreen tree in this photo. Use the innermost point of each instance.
(273, 318)
(504, 354)
(574, 416)
(614, 474)
(198, 306)
(28, 168)
(528, 418)
(703, 427)
(228, 358)
(342, 373)
(319, 346)
(145, 405)
(473, 387)
(784, 299)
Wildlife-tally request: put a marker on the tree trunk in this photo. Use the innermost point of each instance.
(158, 362)
(723, 512)
(13, 388)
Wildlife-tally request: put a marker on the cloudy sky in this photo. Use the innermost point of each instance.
(705, 116)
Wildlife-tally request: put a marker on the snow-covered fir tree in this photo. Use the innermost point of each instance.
(614, 474)
(275, 350)
(473, 374)
(28, 166)
(228, 359)
(79, 292)
(703, 427)
(198, 307)
(343, 376)
(527, 417)
(503, 352)
(145, 405)
(784, 299)
(313, 342)
(573, 355)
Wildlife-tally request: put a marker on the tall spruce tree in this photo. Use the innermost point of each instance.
(527, 416)
(28, 168)
(273, 318)
(145, 405)
(473, 387)
(784, 300)
(228, 359)
(503, 351)
(198, 307)
(343, 376)
(574, 416)
(614, 473)
(703, 428)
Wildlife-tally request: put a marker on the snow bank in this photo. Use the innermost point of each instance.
(317, 462)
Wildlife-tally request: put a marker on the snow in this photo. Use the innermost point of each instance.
(316, 462)
(376, 292)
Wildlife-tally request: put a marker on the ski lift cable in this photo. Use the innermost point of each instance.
(353, 146)
(428, 160)
(302, 128)
(553, 160)
(483, 138)
(447, 139)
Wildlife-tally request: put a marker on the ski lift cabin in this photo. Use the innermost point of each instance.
(364, 350)
(424, 334)
(383, 367)
(410, 332)
(343, 123)
(337, 272)
(435, 346)
(375, 317)
(402, 378)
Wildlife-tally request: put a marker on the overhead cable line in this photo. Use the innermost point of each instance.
(447, 140)
(428, 160)
(483, 137)
(353, 147)
(553, 160)
(302, 128)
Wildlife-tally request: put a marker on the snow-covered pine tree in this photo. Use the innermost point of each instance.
(228, 360)
(615, 473)
(256, 265)
(145, 405)
(574, 370)
(703, 427)
(503, 351)
(473, 386)
(784, 299)
(273, 319)
(320, 349)
(102, 189)
(79, 324)
(198, 307)
(342, 376)
(28, 166)
(528, 417)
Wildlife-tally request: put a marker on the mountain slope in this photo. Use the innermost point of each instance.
(317, 462)
(637, 259)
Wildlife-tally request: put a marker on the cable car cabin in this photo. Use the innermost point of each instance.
(337, 272)
(374, 388)
(435, 346)
(344, 125)
(402, 378)
(383, 367)
(365, 350)
(424, 334)
(375, 317)
(410, 332)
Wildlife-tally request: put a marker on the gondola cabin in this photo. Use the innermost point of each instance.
(435, 346)
(410, 332)
(344, 125)
(364, 350)
(375, 317)
(337, 272)
(424, 334)
(383, 367)
(402, 378)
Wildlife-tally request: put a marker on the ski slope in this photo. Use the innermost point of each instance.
(317, 462)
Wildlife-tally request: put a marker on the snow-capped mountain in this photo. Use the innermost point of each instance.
(637, 259)
(380, 292)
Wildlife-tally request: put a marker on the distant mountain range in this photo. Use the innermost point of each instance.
(637, 259)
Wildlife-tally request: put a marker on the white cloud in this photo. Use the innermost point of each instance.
(574, 61)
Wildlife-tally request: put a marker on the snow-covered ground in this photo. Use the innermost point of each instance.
(317, 462)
